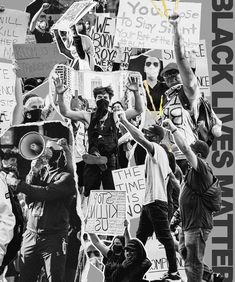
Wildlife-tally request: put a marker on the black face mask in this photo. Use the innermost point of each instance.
(33, 115)
(117, 249)
(102, 108)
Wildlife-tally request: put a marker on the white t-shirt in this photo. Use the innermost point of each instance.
(157, 171)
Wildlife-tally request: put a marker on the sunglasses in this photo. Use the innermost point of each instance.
(170, 74)
(96, 253)
(155, 64)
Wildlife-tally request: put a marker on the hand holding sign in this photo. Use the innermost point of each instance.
(168, 124)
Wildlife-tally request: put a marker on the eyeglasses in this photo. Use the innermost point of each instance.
(169, 74)
(96, 253)
(155, 64)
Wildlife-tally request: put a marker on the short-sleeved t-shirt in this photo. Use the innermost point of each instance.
(193, 213)
(157, 171)
(42, 37)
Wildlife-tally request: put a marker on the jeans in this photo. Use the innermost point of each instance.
(38, 250)
(154, 218)
(192, 245)
(93, 176)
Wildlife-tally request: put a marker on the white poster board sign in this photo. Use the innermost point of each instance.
(13, 27)
(106, 212)
(140, 25)
(131, 180)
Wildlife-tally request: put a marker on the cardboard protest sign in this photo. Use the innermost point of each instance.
(75, 12)
(13, 27)
(106, 212)
(131, 180)
(157, 255)
(7, 95)
(103, 40)
(36, 60)
(201, 72)
(140, 25)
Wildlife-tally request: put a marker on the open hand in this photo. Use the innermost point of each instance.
(133, 84)
(59, 87)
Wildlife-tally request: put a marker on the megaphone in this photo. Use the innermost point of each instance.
(32, 145)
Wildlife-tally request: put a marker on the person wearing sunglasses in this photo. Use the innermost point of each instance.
(155, 88)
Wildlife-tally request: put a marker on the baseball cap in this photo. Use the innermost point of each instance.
(170, 66)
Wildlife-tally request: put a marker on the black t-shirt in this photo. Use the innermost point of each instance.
(156, 93)
(193, 213)
(41, 37)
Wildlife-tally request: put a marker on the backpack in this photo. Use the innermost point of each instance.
(15, 244)
(212, 197)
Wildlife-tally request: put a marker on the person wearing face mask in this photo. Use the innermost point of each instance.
(49, 188)
(135, 265)
(38, 26)
(113, 255)
(29, 107)
(183, 86)
(102, 133)
(154, 88)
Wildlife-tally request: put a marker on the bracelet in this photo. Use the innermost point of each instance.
(172, 132)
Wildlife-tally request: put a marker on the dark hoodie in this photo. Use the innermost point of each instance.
(133, 270)
(50, 198)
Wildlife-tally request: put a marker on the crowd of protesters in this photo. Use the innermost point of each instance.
(173, 149)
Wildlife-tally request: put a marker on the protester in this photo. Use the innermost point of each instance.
(102, 133)
(197, 221)
(38, 26)
(181, 82)
(7, 218)
(114, 255)
(135, 265)
(154, 213)
(154, 88)
(49, 191)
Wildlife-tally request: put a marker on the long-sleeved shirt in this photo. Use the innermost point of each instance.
(7, 218)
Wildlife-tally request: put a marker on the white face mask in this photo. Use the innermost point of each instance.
(152, 72)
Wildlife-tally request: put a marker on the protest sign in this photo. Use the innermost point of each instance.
(200, 57)
(157, 255)
(131, 180)
(75, 12)
(140, 25)
(13, 27)
(106, 212)
(37, 60)
(103, 40)
(7, 95)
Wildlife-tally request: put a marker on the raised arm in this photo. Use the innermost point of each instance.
(34, 20)
(82, 116)
(137, 135)
(182, 143)
(99, 244)
(188, 78)
(18, 112)
(139, 104)
(126, 232)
